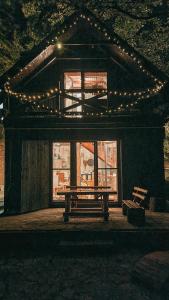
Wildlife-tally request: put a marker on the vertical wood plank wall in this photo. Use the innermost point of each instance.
(28, 165)
(143, 161)
(2, 149)
(12, 197)
(35, 179)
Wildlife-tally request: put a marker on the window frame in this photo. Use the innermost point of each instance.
(73, 165)
(83, 91)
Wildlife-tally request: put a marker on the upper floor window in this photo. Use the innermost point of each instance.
(81, 91)
(95, 80)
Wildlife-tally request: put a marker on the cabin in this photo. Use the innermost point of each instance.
(82, 108)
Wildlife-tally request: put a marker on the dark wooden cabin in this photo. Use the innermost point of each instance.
(82, 108)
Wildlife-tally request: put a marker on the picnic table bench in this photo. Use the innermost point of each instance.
(72, 194)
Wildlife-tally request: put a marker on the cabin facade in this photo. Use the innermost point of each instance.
(82, 108)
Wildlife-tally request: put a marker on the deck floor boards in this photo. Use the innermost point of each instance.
(52, 219)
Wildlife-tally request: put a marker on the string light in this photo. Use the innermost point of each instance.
(55, 90)
(59, 45)
(139, 94)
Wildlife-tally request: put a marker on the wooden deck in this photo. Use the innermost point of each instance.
(52, 219)
(46, 228)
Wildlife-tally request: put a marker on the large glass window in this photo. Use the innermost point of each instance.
(107, 164)
(61, 167)
(95, 164)
(85, 164)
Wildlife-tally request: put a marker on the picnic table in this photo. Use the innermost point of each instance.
(100, 193)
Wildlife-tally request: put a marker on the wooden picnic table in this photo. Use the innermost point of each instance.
(72, 193)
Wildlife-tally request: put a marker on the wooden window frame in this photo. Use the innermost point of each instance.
(73, 166)
(90, 103)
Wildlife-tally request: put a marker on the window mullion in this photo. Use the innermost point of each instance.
(82, 88)
(95, 164)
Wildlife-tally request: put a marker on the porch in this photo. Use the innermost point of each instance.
(45, 229)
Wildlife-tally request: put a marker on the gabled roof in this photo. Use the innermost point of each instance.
(92, 32)
(63, 33)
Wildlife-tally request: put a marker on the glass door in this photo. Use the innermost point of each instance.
(85, 163)
(61, 167)
(107, 165)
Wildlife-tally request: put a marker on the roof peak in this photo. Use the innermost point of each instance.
(60, 34)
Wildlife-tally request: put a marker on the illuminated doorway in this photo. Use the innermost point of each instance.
(85, 164)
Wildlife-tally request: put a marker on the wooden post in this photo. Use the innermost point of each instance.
(105, 204)
(67, 208)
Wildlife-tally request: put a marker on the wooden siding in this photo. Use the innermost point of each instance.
(35, 179)
(1, 163)
(12, 174)
(28, 159)
(143, 161)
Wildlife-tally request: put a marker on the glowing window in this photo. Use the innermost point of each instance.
(72, 80)
(95, 80)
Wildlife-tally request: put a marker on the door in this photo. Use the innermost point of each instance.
(87, 163)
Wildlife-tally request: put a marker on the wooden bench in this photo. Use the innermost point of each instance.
(134, 209)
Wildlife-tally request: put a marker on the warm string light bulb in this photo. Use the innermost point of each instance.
(154, 90)
(59, 45)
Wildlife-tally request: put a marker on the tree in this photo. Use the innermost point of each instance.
(145, 25)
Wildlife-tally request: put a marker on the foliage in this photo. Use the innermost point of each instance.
(24, 23)
(144, 24)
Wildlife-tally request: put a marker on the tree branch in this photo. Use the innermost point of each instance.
(164, 11)
(148, 17)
